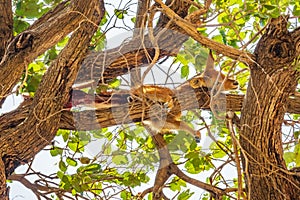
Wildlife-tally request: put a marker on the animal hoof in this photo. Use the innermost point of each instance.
(197, 139)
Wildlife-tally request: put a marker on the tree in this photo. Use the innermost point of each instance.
(76, 92)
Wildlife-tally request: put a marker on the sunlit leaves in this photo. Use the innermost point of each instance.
(134, 179)
(192, 54)
(185, 195)
(89, 169)
(296, 9)
(32, 77)
(120, 159)
(120, 13)
(176, 184)
(185, 71)
(115, 83)
(71, 161)
(292, 158)
(55, 151)
(62, 166)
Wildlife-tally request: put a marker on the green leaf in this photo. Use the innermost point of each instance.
(114, 83)
(185, 195)
(216, 151)
(120, 159)
(176, 184)
(120, 13)
(62, 166)
(20, 25)
(60, 174)
(185, 71)
(289, 157)
(71, 162)
(56, 151)
(107, 150)
(296, 10)
(269, 7)
(125, 195)
(181, 58)
(222, 33)
(73, 146)
(133, 19)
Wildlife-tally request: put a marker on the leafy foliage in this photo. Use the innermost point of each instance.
(126, 157)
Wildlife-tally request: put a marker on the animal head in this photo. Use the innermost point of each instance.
(211, 78)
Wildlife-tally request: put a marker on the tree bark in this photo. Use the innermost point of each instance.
(272, 80)
(113, 109)
(42, 35)
(6, 25)
(21, 143)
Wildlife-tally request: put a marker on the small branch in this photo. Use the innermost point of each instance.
(139, 26)
(144, 193)
(231, 52)
(35, 188)
(163, 173)
(217, 192)
(229, 117)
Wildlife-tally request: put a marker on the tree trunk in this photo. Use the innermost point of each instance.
(272, 80)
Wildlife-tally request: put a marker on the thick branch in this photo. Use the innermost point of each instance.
(137, 52)
(296, 38)
(163, 173)
(6, 25)
(38, 129)
(114, 114)
(3, 188)
(272, 80)
(45, 33)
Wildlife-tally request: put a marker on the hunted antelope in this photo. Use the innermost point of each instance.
(164, 108)
(212, 78)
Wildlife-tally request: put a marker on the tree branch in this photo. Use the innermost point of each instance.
(163, 172)
(42, 35)
(139, 51)
(139, 28)
(6, 25)
(115, 111)
(3, 189)
(190, 30)
(42, 122)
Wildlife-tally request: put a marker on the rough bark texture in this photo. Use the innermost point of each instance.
(42, 35)
(272, 80)
(23, 142)
(28, 129)
(6, 25)
(140, 51)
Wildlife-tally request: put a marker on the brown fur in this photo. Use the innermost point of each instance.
(162, 95)
(211, 78)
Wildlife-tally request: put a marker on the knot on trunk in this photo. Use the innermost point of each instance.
(276, 49)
